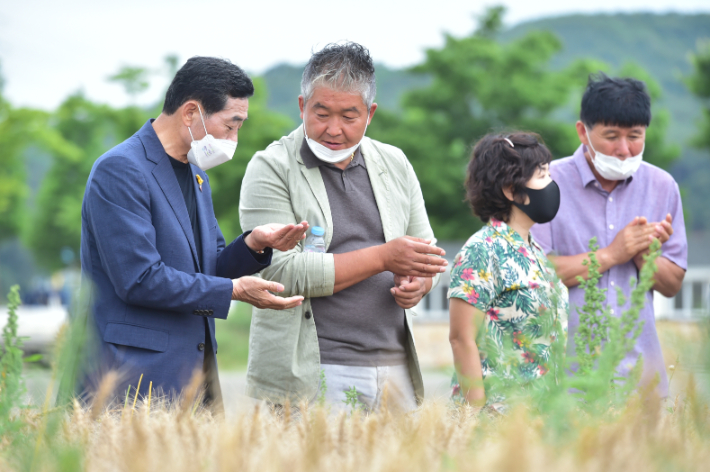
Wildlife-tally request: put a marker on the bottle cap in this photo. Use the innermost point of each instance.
(317, 231)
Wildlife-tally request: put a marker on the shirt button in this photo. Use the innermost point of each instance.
(612, 283)
(611, 226)
(611, 311)
(201, 347)
(611, 199)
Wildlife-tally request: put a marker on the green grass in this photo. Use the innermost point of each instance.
(233, 338)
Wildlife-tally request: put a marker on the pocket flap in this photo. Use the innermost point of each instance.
(136, 336)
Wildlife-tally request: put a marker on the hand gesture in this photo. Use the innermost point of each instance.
(635, 238)
(276, 236)
(257, 292)
(408, 290)
(661, 231)
(414, 257)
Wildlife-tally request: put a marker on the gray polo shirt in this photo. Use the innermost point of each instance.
(361, 325)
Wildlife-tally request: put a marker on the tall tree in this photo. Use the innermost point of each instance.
(20, 129)
(478, 85)
(699, 84)
(91, 129)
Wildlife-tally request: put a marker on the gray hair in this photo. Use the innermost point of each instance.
(345, 67)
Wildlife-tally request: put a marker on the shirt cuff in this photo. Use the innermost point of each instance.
(263, 258)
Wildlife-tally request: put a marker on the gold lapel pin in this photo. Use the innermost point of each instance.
(199, 181)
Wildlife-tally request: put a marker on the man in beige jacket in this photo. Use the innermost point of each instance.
(353, 331)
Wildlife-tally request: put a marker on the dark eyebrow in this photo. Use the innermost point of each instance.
(239, 118)
(319, 105)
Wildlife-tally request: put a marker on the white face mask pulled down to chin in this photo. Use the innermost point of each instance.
(328, 155)
(613, 168)
(209, 152)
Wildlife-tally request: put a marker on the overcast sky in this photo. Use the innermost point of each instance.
(49, 49)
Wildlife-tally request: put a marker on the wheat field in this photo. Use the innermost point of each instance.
(180, 437)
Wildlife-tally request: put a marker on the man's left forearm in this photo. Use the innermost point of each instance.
(669, 277)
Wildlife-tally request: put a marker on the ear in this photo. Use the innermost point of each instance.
(582, 133)
(372, 113)
(508, 192)
(301, 104)
(190, 114)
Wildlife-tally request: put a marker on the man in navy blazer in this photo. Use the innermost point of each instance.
(151, 245)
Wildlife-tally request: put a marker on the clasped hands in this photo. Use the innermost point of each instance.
(633, 242)
(414, 262)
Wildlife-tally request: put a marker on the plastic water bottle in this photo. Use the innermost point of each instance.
(315, 241)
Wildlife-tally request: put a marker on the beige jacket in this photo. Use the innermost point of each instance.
(284, 358)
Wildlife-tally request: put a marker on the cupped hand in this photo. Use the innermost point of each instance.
(257, 292)
(408, 290)
(276, 236)
(413, 257)
(633, 239)
(663, 230)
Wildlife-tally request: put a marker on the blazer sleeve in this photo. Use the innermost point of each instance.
(265, 198)
(119, 214)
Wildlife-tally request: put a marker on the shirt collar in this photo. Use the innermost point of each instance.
(583, 167)
(310, 160)
(513, 238)
(508, 233)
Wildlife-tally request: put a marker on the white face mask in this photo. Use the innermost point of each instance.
(209, 152)
(328, 155)
(613, 168)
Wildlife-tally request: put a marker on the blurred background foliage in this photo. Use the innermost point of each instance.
(529, 77)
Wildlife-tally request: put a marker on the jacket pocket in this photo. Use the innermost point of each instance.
(136, 336)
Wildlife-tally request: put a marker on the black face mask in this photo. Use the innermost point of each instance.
(544, 203)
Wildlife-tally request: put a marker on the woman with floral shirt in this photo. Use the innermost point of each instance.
(507, 308)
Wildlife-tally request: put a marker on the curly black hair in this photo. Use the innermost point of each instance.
(496, 165)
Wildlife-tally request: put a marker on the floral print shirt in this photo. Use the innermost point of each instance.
(525, 306)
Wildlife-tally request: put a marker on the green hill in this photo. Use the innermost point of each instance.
(658, 43)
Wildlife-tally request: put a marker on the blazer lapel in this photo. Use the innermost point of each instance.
(379, 179)
(315, 182)
(202, 211)
(165, 176)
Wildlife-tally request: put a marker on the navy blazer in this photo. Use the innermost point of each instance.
(151, 296)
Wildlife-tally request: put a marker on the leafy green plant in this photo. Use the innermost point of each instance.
(352, 399)
(12, 386)
(323, 389)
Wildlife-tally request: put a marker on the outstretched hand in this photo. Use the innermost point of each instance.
(257, 292)
(276, 236)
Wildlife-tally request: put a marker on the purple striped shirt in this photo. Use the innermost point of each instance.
(587, 210)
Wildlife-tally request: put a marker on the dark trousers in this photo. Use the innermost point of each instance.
(213, 389)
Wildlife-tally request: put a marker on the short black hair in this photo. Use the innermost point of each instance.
(615, 102)
(496, 165)
(209, 80)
